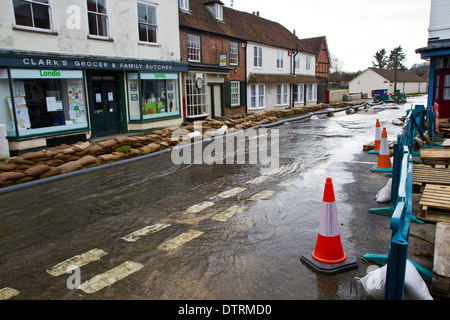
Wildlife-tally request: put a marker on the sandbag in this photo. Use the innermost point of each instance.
(415, 288)
(384, 195)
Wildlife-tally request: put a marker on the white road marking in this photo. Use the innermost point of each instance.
(262, 195)
(228, 194)
(136, 235)
(108, 278)
(179, 240)
(271, 172)
(79, 261)
(8, 293)
(229, 213)
(288, 182)
(199, 207)
(258, 180)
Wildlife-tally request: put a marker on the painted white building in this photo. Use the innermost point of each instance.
(73, 70)
(274, 83)
(380, 79)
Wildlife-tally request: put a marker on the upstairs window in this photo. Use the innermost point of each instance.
(297, 62)
(184, 5)
(147, 23)
(257, 57)
(279, 59)
(32, 13)
(193, 48)
(234, 53)
(98, 18)
(216, 9)
(308, 62)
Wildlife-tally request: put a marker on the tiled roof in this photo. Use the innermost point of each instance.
(315, 43)
(281, 78)
(402, 76)
(241, 25)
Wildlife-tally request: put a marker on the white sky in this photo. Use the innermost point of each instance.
(355, 29)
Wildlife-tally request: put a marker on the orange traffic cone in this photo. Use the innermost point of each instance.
(376, 148)
(384, 156)
(328, 256)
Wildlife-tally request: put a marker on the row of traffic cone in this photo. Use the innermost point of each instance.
(382, 148)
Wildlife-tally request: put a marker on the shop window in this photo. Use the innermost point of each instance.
(153, 96)
(98, 18)
(196, 104)
(147, 23)
(48, 101)
(32, 13)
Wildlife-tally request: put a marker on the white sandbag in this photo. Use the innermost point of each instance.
(375, 282)
(415, 288)
(194, 134)
(223, 129)
(384, 195)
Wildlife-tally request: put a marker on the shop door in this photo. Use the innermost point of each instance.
(216, 100)
(442, 93)
(106, 114)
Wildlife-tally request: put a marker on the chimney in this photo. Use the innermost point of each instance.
(294, 32)
(257, 13)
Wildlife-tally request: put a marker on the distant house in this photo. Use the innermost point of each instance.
(376, 79)
(438, 53)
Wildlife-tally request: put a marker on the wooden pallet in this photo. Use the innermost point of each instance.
(440, 283)
(370, 145)
(423, 175)
(435, 204)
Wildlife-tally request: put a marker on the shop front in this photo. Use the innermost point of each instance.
(46, 101)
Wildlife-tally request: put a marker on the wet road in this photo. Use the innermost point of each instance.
(154, 230)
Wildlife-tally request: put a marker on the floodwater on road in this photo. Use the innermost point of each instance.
(219, 231)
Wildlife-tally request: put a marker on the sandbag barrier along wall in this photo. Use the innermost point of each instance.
(64, 159)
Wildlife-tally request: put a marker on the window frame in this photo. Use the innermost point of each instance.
(155, 6)
(234, 55)
(108, 23)
(308, 63)
(235, 93)
(280, 60)
(297, 62)
(258, 57)
(258, 96)
(184, 5)
(194, 48)
(299, 93)
(32, 28)
(282, 96)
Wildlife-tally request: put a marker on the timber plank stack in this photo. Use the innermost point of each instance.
(440, 284)
(423, 175)
(435, 203)
(370, 145)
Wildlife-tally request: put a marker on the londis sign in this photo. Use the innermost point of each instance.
(52, 74)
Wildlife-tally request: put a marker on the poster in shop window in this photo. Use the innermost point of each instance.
(77, 108)
(22, 115)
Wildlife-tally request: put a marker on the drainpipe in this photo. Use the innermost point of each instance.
(293, 73)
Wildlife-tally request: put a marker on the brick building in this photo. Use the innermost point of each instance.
(215, 83)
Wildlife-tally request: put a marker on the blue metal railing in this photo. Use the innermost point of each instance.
(401, 196)
(400, 225)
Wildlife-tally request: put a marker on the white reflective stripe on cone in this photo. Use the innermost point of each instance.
(329, 224)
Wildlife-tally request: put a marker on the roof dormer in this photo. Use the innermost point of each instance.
(216, 8)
